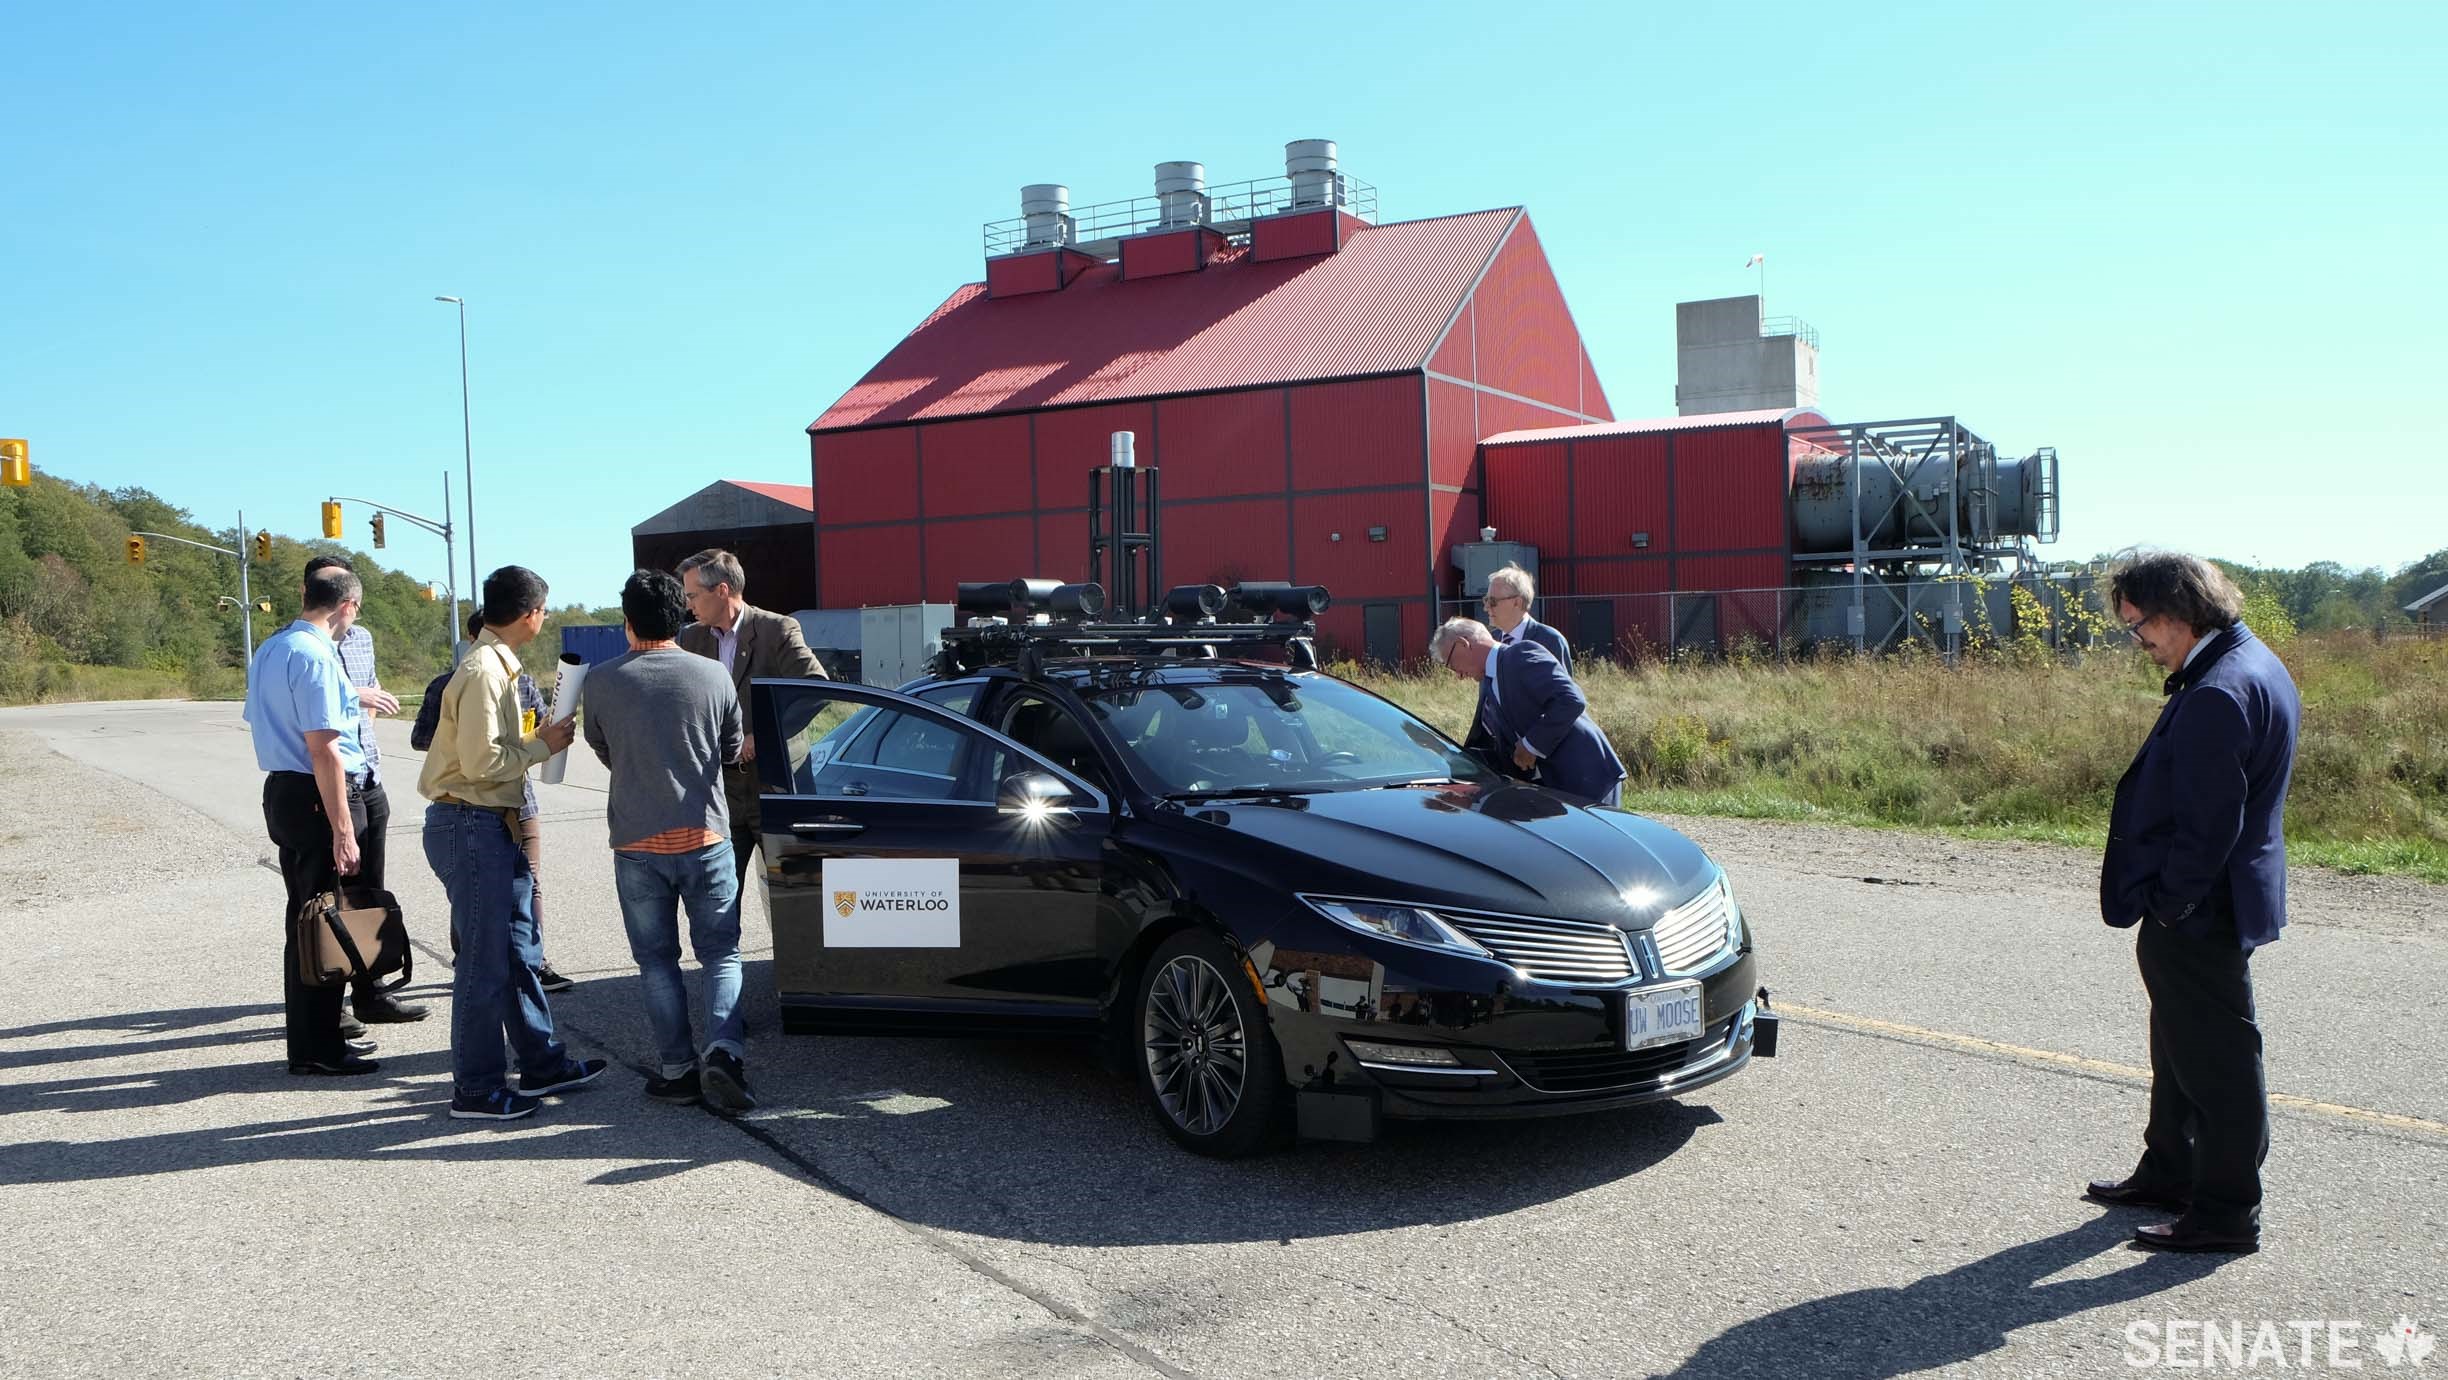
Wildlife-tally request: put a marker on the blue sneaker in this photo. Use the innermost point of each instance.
(501, 1104)
(576, 1074)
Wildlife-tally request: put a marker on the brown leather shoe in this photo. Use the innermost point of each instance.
(2181, 1236)
(2133, 1193)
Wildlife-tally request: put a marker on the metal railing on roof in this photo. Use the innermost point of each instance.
(1230, 207)
(1794, 326)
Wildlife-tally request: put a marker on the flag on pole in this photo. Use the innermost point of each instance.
(1756, 261)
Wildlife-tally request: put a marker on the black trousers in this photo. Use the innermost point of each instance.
(293, 816)
(2209, 1125)
(373, 838)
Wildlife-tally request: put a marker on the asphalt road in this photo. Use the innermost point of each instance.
(1893, 1195)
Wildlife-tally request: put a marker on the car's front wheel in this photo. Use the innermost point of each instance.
(1208, 1063)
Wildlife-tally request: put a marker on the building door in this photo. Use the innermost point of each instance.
(1593, 628)
(1695, 623)
(1381, 633)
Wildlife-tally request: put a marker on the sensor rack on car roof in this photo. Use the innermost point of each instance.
(1024, 622)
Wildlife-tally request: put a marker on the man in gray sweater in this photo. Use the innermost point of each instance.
(665, 722)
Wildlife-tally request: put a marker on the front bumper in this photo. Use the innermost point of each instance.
(1521, 1049)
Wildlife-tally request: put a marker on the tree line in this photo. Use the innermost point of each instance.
(71, 602)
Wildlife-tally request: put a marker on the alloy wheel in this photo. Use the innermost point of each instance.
(1197, 1049)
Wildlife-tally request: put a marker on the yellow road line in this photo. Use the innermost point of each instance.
(1974, 1044)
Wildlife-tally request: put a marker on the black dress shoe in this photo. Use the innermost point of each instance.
(346, 1066)
(2131, 1193)
(388, 1010)
(359, 1047)
(351, 1028)
(2181, 1236)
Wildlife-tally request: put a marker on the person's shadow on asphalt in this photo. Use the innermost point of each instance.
(1942, 1319)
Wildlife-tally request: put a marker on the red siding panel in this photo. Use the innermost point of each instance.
(1718, 571)
(1356, 568)
(1593, 397)
(957, 549)
(868, 565)
(1222, 443)
(1456, 358)
(1619, 575)
(867, 476)
(1291, 237)
(1526, 497)
(1177, 251)
(1062, 544)
(1072, 442)
(979, 466)
(1345, 435)
(1500, 415)
(1453, 519)
(1618, 489)
(1527, 344)
(1453, 435)
(1023, 274)
(1730, 489)
(1224, 543)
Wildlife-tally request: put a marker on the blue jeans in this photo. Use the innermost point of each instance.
(494, 990)
(652, 887)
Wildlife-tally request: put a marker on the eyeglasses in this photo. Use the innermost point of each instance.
(1492, 600)
(2134, 629)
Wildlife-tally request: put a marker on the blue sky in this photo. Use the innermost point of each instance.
(2195, 247)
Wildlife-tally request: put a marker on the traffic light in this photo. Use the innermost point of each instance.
(263, 606)
(263, 546)
(16, 471)
(135, 551)
(331, 520)
(378, 532)
(430, 595)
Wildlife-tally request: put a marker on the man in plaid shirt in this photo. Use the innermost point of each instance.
(373, 1005)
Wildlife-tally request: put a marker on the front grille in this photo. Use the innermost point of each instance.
(1552, 950)
(1693, 933)
(1596, 1068)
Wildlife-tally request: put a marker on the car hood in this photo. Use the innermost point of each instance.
(1508, 848)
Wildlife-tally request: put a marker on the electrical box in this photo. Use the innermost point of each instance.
(1479, 559)
(898, 642)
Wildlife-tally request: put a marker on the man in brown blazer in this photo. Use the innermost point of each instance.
(749, 642)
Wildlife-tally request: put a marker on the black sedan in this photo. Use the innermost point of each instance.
(1287, 903)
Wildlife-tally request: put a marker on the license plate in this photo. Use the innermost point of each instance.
(1662, 1015)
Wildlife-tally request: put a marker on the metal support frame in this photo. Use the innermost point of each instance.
(1116, 500)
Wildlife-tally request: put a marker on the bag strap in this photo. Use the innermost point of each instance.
(348, 942)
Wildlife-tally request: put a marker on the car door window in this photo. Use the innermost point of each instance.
(885, 753)
(1054, 733)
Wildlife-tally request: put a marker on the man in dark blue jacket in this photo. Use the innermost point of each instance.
(1534, 717)
(2197, 859)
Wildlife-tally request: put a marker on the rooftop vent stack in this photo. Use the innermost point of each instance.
(1310, 163)
(1181, 195)
(1125, 455)
(1047, 208)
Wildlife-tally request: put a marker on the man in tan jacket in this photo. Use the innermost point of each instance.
(749, 642)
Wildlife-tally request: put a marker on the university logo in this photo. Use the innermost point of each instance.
(844, 902)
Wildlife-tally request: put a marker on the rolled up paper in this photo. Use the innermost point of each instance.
(564, 703)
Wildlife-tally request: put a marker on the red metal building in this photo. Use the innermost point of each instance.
(1314, 392)
(1637, 509)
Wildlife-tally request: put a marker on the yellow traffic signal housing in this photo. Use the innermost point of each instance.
(378, 531)
(263, 606)
(16, 471)
(430, 596)
(135, 550)
(331, 521)
(263, 546)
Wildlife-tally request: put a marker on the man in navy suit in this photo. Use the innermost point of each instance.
(1534, 717)
(1507, 604)
(2197, 859)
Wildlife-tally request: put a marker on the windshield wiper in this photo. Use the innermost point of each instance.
(1231, 792)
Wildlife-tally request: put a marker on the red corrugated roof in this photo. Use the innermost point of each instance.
(1375, 307)
(1803, 416)
(796, 495)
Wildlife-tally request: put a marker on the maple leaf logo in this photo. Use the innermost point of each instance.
(2406, 1344)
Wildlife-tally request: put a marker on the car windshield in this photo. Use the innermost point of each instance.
(1296, 731)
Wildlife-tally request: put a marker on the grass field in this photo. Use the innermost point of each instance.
(2005, 745)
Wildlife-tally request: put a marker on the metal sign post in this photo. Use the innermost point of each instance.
(440, 528)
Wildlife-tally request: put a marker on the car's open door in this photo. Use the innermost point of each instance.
(925, 873)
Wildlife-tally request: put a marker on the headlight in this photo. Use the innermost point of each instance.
(1738, 931)
(1405, 924)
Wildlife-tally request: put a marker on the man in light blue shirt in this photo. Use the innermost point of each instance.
(303, 716)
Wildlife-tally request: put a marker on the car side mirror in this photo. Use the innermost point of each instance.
(1033, 792)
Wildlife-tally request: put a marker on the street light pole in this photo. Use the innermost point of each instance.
(467, 444)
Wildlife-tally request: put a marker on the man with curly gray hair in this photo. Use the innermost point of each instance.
(2197, 860)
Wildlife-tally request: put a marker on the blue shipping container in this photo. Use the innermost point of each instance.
(594, 643)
